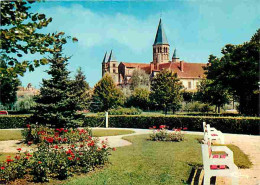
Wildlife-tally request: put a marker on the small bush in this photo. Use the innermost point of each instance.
(54, 159)
(162, 134)
(125, 111)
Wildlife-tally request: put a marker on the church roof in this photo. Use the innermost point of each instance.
(190, 70)
(174, 54)
(160, 35)
(111, 57)
(105, 58)
(143, 66)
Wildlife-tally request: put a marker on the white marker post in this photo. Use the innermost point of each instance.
(106, 119)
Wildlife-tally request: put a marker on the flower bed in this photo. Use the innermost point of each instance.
(60, 153)
(162, 134)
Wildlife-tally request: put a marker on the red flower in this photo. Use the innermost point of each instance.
(19, 149)
(78, 158)
(65, 140)
(150, 128)
(70, 158)
(104, 146)
(91, 143)
(9, 160)
(50, 140)
(27, 157)
(2, 167)
(56, 147)
(28, 125)
(30, 142)
(72, 146)
(66, 130)
(114, 149)
(185, 128)
(154, 127)
(81, 146)
(162, 126)
(17, 157)
(39, 162)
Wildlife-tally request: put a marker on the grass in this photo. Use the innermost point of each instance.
(110, 132)
(10, 135)
(240, 158)
(16, 134)
(148, 162)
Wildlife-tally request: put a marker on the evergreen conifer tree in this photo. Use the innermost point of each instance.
(57, 102)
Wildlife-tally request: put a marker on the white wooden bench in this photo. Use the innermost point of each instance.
(218, 165)
(210, 133)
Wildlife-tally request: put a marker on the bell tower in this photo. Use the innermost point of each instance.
(160, 46)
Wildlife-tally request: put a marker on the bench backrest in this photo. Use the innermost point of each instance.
(4, 112)
(205, 156)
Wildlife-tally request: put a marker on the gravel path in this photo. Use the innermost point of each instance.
(250, 145)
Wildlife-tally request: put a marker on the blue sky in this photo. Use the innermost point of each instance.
(197, 28)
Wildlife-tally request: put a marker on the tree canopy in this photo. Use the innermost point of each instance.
(139, 79)
(21, 35)
(106, 95)
(166, 91)
(238, 72)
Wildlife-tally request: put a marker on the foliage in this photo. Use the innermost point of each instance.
(162, 134)
(238, 72)
(189, 96)
(139, 79)
(197, 107)
(53, 160)
(8, 87)
(13, 121)
(124, 111)
(57, 102)
(165, 91)
(82, 90)
(214, 94)
(25, 104)
(238, 125)
(21, 35)
(139, 98)
(106, 95)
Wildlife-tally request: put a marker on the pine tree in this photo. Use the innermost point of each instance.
(57, 102)
(106, 95)
(82, 90)
(166, 91)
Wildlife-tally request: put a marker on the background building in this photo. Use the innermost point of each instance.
(190, 74)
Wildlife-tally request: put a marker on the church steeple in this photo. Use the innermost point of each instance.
(174, 56)
(105, 58)
(160, 37)
(160, 46)
(111, 57)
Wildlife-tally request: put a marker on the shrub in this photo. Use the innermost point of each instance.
(125, 111)
(162, 134)
(54, 159)
(13, 121)
(239, 125)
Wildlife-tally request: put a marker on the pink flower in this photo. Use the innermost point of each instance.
(162, 126)
(39, 162)
(154, 127)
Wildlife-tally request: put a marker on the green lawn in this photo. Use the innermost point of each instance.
(110, 132)
(148, 162)
(16, 134)
(10, 135)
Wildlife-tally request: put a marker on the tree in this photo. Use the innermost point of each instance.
(8, 88)
(214, 94)
(82, 90)
(106, 94)
(57, 103)
(140, 98)
(20, 35)
(166, 91)
(238, 72)
(139, 79)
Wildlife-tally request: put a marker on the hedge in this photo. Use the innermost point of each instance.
(238, 125)
(13, 121)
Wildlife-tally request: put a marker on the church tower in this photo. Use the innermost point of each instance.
(160, 46)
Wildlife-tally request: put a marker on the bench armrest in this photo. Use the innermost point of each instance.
(223, 148)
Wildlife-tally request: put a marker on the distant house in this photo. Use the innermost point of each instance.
(190, 74)
(29, 90)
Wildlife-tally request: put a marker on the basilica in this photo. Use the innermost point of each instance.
(190, 74)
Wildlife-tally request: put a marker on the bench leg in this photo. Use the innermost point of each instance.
(206, 180)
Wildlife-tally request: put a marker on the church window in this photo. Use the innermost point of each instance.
(160, 49)
(154, 50)
(114, 71)
(114, 65)
(189, 85)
